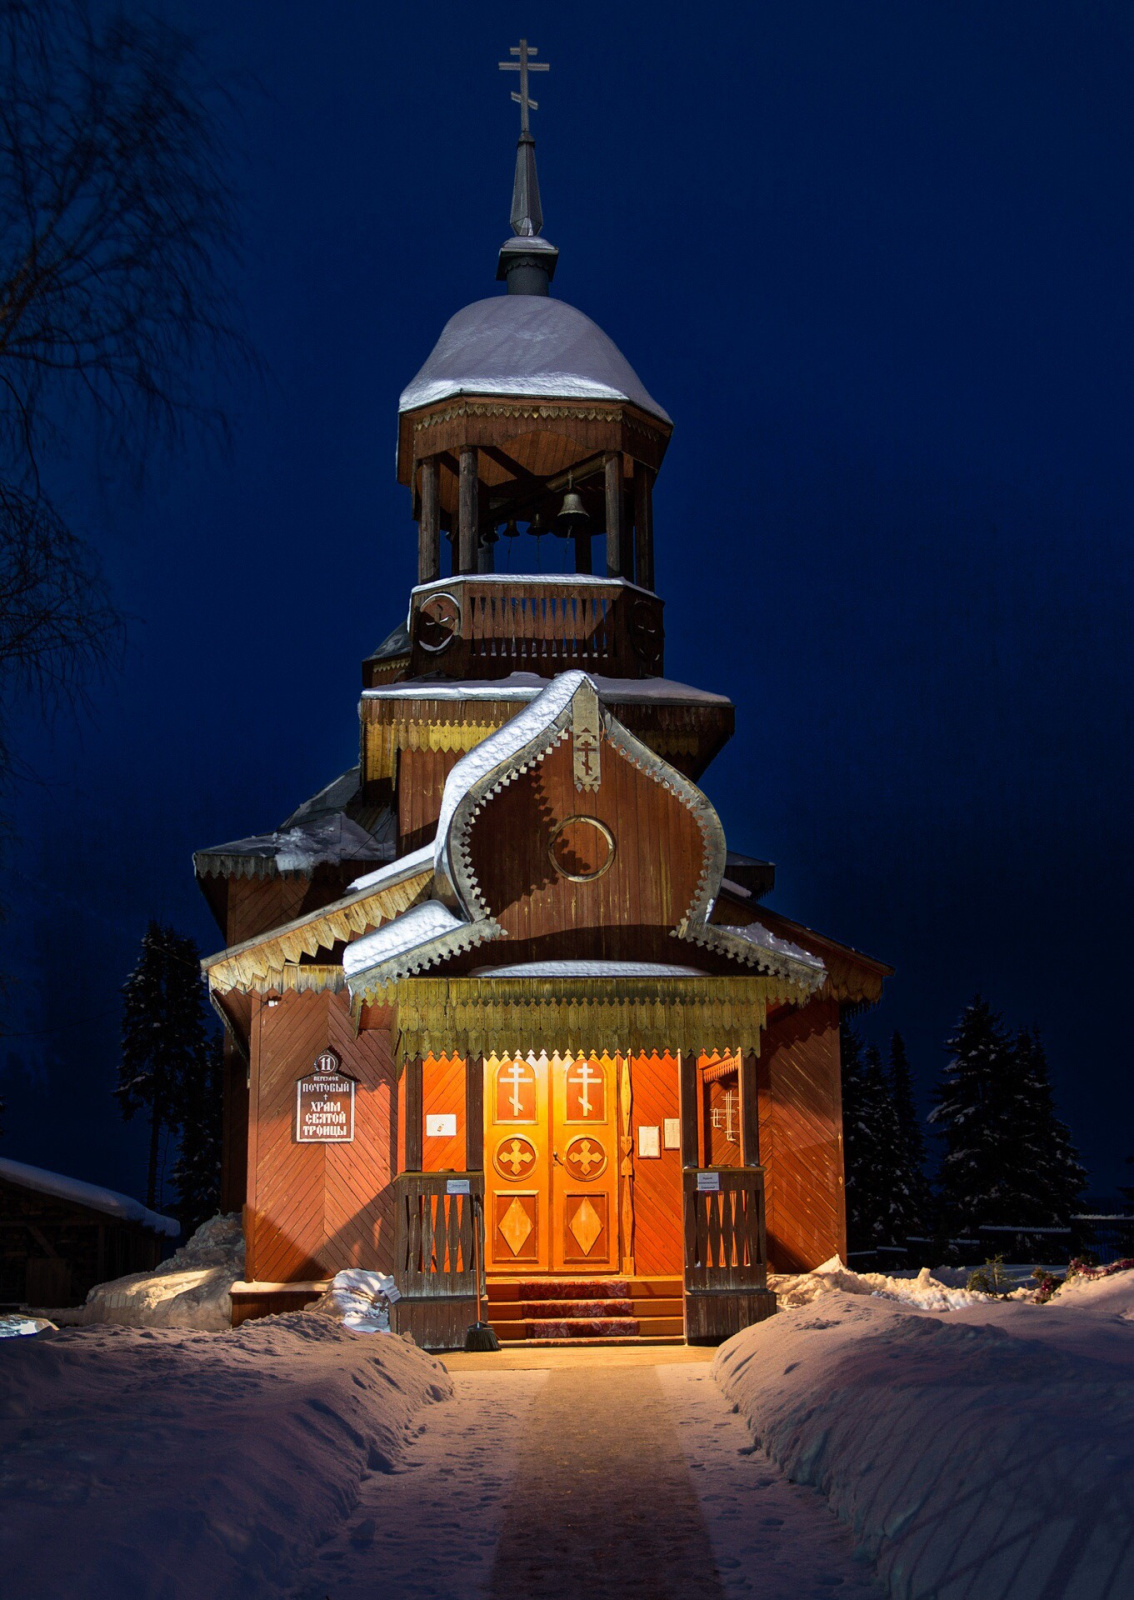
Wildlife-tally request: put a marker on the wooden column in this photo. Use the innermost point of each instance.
(613, 475)
(474, 1114)
(429, 528)
(414, 1121)
(468, 510)
(749, 1111)
(643, 526)
(689, 1084)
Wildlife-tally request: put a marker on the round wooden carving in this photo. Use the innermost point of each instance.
(438, 622)
(644, 626)
(581, 848)
(585, 1158)
(515, 1158)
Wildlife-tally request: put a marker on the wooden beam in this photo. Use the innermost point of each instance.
(474, 1114)
(643, 526)
(468, 510)
(749, 1111)
(687, 1071)
(612, 472)
(414, 1123)
(510, 464)
(429, 529)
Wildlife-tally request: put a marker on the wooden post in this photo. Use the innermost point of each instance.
(613, 476)
(749, 1112)
(468, 510)
(474, 1114)
(429, 528)
(688, 1076)
(414, 1122)
(643, 526)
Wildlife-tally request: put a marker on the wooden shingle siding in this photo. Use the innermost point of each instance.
(315, 1209)
(801, 1137)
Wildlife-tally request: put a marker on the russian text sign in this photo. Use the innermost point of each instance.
(324, 1104)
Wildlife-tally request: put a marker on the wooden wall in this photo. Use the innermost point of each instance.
(801, 1137)
(624, 915)
(421, 783)
(315, 1209)
(658, 1247)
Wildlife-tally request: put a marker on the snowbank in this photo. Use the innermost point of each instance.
(190, 1290)
(985, 1455)
(166, 1465)
(929, 1290)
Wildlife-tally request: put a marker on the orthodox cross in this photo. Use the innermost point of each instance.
(583, 1082)
(515, 1078)
(523, 66)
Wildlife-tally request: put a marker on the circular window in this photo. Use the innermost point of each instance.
(581, 848)
(438, 622)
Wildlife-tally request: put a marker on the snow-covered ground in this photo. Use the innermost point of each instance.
(147, 1464)
(189, 1290)
(982, 1452)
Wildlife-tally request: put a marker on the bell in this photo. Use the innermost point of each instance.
(572, 515)
(510, 529)
(536, 527)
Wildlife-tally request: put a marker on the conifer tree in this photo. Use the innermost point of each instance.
(1043, 1167)
(911, 1182)
(869, 1130)
(163, 1036)
(197, 1172)
(971, 1113)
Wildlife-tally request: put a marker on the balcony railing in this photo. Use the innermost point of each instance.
(490, 626)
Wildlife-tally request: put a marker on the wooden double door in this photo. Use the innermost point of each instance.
(551, 1164)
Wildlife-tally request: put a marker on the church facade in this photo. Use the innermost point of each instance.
(501, 1003)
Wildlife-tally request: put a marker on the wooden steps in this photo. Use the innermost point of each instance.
(563, 1310)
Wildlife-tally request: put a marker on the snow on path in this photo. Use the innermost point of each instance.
(599, 1480)
(771, 1538)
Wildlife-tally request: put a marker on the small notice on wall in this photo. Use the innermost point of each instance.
(649, 1142)
(672, 1136)
(441, 1126)
(324, 1104)
(456, 1186)
(708, 1183)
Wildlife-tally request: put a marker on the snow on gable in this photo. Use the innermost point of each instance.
(413, 932)
(87, 1194)
(404, 867)
(500, 748)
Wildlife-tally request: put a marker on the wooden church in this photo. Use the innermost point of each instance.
(500, 1000)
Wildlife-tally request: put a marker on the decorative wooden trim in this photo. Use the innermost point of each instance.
(626, 1169)
(476, 1016)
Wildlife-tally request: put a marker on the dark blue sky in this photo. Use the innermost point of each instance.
(875, 260)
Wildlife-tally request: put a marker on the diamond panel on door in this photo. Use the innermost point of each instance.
(515, 1234)
(585, 1218)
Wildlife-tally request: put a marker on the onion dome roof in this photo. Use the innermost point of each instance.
(518, 344)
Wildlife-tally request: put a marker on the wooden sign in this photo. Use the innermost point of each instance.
(324, 1104)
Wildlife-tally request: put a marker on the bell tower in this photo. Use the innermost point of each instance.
(527, 429)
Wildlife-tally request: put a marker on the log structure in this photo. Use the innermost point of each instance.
(501, 993)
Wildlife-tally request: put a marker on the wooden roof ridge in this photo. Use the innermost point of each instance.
(266, 955)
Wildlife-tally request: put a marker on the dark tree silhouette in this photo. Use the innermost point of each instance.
(1044, 1166)
(197, 1170)
(165, 1046)
(911, 1183)
(117, 228)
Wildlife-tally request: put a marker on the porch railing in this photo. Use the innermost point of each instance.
(493, 627)
(725, 1238)
(434, 1219)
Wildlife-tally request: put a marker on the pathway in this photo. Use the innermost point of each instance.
(572, 1475)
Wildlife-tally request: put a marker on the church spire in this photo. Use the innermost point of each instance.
(527, 262)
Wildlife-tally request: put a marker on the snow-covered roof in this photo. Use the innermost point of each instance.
(764, 939)
(527, 685)
(516, 344)
(87, 1194)
(406, 866)
(421, 926)
(327, 839)
(588, 969)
